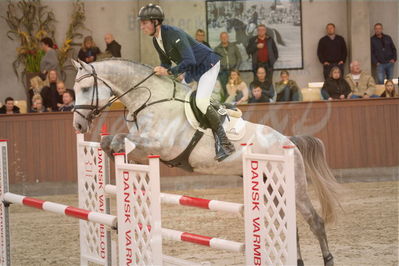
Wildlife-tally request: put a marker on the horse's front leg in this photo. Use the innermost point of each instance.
(113, 144)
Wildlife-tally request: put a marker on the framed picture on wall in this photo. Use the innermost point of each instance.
(283, 19)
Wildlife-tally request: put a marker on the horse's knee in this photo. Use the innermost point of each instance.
(105, 142)
(118, 143)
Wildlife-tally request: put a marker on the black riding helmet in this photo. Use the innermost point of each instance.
(151, 12)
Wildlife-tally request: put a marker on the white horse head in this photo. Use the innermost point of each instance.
(92, 93)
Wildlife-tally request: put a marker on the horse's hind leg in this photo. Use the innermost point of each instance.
(298, 250)
(316, 224)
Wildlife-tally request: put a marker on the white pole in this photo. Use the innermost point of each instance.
(5, 257)
(289, 172)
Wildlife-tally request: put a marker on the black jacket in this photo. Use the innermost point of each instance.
(266, 86)
(334, 88)
(15, 110)
(332, 51)
(50, 96)
(272, 51)
(114, 49)
(382, 49)
(262, 99)
(93, 51)
(191, 57)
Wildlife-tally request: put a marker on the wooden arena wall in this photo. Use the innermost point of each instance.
(356, 133)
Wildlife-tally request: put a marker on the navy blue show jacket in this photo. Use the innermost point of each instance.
(191, 57)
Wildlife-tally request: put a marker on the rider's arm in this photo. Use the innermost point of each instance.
(182, 45)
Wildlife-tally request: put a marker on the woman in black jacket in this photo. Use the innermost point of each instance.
(335, 87)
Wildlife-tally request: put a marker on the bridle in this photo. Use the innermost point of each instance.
(94, 108)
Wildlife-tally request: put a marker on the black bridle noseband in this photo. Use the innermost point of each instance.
(95, 110)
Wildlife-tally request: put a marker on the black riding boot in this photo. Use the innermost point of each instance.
(223, 146)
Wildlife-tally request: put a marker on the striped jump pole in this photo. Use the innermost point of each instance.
(213, 205)
(212, 242)
(101, 218)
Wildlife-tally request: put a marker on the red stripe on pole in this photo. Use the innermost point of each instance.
(35, 203)
(118, 153)
(288, 147)
(197, 239)
(194, 202)
(152, 156)
(78, 213)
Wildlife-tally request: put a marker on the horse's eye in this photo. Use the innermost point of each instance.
(80, 68)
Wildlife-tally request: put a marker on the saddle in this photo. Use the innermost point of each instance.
(230, 117)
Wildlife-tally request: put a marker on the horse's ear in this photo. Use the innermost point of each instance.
(75, 64)
(84, 65)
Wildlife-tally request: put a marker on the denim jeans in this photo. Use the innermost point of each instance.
(382, 70)
(353, 96)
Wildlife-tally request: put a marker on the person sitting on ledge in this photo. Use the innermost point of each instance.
(362, 84)
(389, 90)
(68, 99)
(335, 87)
(37, 105)
(9, 107)
(287, 90)
(257, 96)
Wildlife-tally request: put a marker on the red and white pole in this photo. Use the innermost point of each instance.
(96, 217)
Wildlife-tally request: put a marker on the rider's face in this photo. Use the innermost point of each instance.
(147, 27)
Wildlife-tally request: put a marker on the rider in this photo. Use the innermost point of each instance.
(194, 61)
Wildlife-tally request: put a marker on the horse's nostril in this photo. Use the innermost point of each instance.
(79, 126)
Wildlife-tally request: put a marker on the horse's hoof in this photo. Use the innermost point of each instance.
(300, 262)
(329, 260)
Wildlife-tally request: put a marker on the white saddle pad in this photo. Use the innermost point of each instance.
(234, 127)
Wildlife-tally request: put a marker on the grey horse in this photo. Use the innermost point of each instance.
(163, 129)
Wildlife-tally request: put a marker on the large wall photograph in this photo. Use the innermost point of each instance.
(240, 18)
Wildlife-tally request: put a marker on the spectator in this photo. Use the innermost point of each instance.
(89, 51)
(60, 92)
(331, 51)
(335, 87)
(49, 92)
(36, 86)
(50, 59)
(257, 96)
(383, 54)
(200, 37)
(362, 84)
(265, 84)
(287, 90)
(389, 90)
(230, 58)
(9, 107)
(264, 52)
(37, 105)
(68, 99)
(237, 89)
(113, 48)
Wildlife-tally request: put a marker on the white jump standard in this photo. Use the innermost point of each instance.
(269, 210)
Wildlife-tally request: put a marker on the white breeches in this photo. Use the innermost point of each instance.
(206, 84)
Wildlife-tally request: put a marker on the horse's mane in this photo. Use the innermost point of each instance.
(125, 60)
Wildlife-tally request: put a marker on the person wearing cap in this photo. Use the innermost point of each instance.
(194, 62)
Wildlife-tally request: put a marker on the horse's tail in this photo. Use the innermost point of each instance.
(313, 153)
(279, 39)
